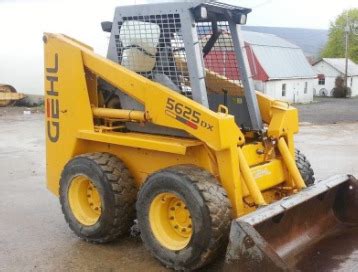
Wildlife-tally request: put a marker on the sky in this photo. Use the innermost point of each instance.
(22, 23)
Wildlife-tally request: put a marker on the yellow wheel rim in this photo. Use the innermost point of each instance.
(170, 221)
(85, 201)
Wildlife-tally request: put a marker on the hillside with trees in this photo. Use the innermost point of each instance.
(335, 47)
(312, 41)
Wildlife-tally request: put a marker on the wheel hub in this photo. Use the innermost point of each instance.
(180, 218)
(170, 220)
(84, 200)
(93, 198)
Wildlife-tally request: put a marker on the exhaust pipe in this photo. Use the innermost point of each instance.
(275, 237)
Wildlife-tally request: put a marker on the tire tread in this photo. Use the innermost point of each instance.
(305, 168)
(124, 191)
(219, 207)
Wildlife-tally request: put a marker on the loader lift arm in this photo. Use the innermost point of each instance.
(142, 89)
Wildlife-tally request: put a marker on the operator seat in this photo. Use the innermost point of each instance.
(140, 53)
(140, 41)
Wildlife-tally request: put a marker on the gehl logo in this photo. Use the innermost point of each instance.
(52, 103)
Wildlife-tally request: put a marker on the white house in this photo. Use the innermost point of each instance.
(328, 69)
(279, 68)
(287, 74)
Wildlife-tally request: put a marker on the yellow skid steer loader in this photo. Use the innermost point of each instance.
(169, 130)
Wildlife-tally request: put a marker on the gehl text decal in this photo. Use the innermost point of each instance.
(52, 102)
(185, 115)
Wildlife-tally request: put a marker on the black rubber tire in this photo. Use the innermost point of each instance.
(117, 191)
(305, 168)
(208, 204)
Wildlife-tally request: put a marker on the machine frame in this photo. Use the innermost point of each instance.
(71, 129)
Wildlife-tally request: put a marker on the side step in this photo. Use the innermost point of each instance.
(274, 237)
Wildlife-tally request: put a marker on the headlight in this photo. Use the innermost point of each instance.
(243, 19)
(203, 13)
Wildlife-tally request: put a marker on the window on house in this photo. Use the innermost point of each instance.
(321, 79)
(351, 81)
(284, 89)
(306, 87)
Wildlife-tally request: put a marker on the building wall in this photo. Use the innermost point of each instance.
(354, 86)
(324, 68)
(330, 77)
(327, 88)
(295, 89)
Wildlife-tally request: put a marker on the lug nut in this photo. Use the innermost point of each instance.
(171, 218)
(176, 226)
(183, 230)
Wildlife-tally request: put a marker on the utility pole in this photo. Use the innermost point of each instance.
(346, 30)
(350, 28)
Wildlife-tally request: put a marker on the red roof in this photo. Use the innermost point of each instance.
(224, 62)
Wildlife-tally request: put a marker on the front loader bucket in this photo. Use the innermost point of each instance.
(275, 237)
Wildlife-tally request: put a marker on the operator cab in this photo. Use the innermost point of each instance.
(195, 49)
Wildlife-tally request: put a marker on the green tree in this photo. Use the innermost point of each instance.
(335, 47)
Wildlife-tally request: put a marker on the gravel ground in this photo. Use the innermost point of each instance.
(35, 237)
(329, 111)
